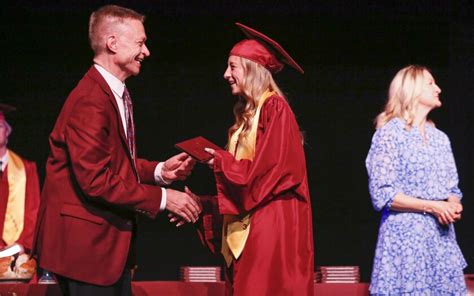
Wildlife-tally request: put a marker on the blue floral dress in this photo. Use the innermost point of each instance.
(415, 255)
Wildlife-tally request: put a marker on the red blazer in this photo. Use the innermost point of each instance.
(32, 200)
(91, 194)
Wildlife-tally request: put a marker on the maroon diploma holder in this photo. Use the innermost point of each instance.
(195, 148)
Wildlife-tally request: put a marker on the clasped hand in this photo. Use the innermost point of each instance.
(184, 206)
(181, 204)
(180, 220)
(448, 211)
(188, 213)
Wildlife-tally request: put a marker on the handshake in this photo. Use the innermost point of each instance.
(183, 206)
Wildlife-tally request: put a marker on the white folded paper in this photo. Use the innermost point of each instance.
(11, 250)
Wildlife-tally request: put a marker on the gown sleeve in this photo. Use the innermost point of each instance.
(278, 165)
(210, 225)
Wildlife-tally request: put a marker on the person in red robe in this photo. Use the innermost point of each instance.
(19, 192)
(263, 205)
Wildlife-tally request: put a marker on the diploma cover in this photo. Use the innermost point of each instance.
(195, 148)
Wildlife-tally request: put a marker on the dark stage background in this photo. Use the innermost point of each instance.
(350, 52)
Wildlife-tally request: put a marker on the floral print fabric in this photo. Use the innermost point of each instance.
(415, 255)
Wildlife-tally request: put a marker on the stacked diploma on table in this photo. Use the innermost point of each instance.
(200, 273)
(337, 274)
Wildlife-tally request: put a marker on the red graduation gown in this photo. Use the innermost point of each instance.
(32, 199)
(278, 257)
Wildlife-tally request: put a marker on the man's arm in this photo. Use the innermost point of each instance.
(178, 167)
(90, 148)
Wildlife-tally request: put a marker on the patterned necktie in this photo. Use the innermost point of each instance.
(127, 103)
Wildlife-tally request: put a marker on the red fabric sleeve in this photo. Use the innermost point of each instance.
(146, 171)
(210, 224)
(278, 165)
(87, 140)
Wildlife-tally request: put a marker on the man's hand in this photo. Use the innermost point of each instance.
(178, 220)
(182, 204)
(177, 167)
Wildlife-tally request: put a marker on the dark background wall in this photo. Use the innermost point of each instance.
(350, 51)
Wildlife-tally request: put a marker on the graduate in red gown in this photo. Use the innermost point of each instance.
(263, 205)
(19, 192)
(19, 198)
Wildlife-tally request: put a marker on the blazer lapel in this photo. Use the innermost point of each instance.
(95, 75)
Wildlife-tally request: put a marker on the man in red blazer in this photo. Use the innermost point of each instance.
(94, 184)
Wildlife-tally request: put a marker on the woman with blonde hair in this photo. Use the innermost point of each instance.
(263, 205)
(413, 181)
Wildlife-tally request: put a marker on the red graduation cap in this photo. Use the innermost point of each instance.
(263, 50)
(4, 108)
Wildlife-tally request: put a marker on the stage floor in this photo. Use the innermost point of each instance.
(176, 288)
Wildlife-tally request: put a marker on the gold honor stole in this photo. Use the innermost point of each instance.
(15, 212)
(235, 229)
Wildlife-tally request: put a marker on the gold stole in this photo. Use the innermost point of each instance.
(15, 212)
(235, 229)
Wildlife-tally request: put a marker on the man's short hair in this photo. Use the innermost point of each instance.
(103, 18)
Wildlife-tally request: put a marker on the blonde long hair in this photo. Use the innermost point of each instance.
(256, 80)
(403, 95)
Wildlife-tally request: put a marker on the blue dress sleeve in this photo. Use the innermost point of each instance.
(453, 179)
(381, 164)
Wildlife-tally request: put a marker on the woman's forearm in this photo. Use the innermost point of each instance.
(446, 212)
(406, 203)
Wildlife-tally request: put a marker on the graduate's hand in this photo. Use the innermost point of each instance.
(176, 219)
(210, 162)
(178, 167)
(194, 196)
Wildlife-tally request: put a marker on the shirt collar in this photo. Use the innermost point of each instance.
(4, 160)
(114, 83)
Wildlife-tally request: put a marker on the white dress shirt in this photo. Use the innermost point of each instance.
(4, 160)
(117, 88)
